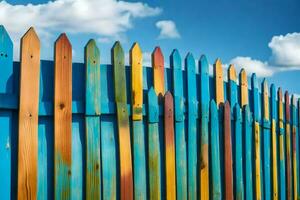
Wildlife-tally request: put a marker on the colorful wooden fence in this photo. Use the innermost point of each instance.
(95, 131)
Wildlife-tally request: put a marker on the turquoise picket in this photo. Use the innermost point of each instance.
(248, 153)
(192, 126)
(180, 144)
(154, 144)
(92, 121)
(266, 126)
(238, 180)
(204, 120)
(6, 88)
(232, 90)
(216, 190)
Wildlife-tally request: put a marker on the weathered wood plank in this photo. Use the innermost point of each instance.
(28, 115)
(228, 153)
(154, 144)
(239, 181)
(266, 141)
(192, 127)
(126, 178)
(6, 87)
(158, 71)
(248, 152)
(288, 146)
(169, 133)
(181, 165)
(139, 153)
(62, 117)
(204, 114)
(294, 142)
(282, 180)
(92, 121)
(232, 94)
(257, 138)
(244, 88)
(216, 190)
(219, 84)
(274, 118)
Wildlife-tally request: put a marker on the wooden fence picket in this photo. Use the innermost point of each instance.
(244, 88)
(154, 144)
(192, 127)
(216, 190)
(248, 154)
(126, 178)
(228, 153)
(139, 153)
(169, 136)
(6, 141)
(204, 115)
(266, 141)
(28, 115)
(62, 117)
(282, 177)
(294, 138)
(238, 180)
(219, 83)
(158, 71)
(274, 156)
(232, 90)
(92, 121)
(180, 144)
(257, 138)
(289, 180)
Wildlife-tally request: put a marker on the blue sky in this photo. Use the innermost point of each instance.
(262, 36)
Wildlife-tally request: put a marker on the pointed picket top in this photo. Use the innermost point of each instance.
(287, 107)
(293, 105)
(293, 100)
(5, 41)
(158, 71)
(92, 49)
(190, 63)
(237, 112)
(280, 108)
(226, 107)
(243, 87)
(153, 110)
(118, 52)
(204, 66)
(136, 60)
(175, 59)
(213, 108)
(265, 92)
(191, 77)
(31, 35)
(254, 83)
(169, 103)
(219, 84)
(231, 73)
(31, 42)
(256, 98)
(168, 95)
(273, 100)
(247, 113)
(63, 40)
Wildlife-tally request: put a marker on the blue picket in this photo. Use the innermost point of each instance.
(192, 126)
(239, 181)
(216, 190)
(248, 153)
(6, 137)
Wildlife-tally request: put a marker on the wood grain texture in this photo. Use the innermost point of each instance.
(216, 189)
(257, 161)
(180, 135)
(6, 142)
(229, 195)
(232, 87)
(154, 144)
(126, 175)
(28, 115)
(266, 141)
(282, 168)
(219, 84)
(244, 87)
(92, 121)
(204, 123)
(248, 152)
(169, 147)
(192, 127)
(136, 60)
(288, 146)
(158, 71)
(139, 152)
(62, 117)
(294, 143)
(274, 117)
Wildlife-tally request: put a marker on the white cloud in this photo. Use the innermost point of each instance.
(286, 50)
(167, 29)
(253, 66)
(108, 18)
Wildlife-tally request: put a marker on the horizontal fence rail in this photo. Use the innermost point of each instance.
(109, 131)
